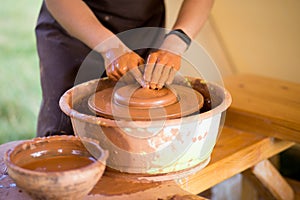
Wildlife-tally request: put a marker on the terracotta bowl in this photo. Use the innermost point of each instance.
(150, 147)
(56, 167)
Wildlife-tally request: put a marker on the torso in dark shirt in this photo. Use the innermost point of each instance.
(118, 15)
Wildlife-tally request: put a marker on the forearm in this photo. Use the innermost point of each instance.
(192, 16)
(162, 65)
(80, 22)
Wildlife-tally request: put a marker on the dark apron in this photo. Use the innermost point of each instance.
(61, 55)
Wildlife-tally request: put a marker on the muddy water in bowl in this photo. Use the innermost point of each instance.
(155, 146)
(56, 167)
(60, 163)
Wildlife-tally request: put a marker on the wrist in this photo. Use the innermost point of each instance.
(113, 44)
(112, 49)
(179, 37)
(174, 44)
(182, 35)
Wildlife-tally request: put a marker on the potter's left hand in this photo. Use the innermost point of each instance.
(163, 64)
(119, 66)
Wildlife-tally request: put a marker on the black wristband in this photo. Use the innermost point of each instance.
(182, 35)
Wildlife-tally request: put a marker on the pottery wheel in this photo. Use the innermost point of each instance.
(132, 102)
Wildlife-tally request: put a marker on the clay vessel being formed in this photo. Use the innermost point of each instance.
(136, 103)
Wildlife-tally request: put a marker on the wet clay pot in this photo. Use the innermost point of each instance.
(153, 146)
(56, 167)
(132, 102)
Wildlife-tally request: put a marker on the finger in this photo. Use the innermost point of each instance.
(116, 74)
(121, 67)
(171, 76)
(109, 72)
(111, 76)
(149, 67)
(113, 70)
(136, 73)
(156, 74)
(141, 62)
(164, 77)
(142, 67)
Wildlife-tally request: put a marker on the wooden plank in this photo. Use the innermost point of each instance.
(234, 152)
(272, 180)
(272, 106)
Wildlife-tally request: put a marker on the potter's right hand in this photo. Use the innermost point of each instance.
(119, 61)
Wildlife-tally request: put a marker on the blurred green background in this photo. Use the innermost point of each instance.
(19, 70)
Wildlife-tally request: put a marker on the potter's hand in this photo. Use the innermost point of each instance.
(163, 64)
(161, 68)
(119, 61)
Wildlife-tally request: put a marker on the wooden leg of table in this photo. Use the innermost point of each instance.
(272, 179)
(250, 180)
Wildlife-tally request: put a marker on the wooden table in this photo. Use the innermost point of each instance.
(264, 106)
(239, 147)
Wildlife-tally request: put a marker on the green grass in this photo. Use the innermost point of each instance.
(19, 70)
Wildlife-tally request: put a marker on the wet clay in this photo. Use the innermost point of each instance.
(135, 103)
(59, 163)
(201, 86)
(143, 98)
